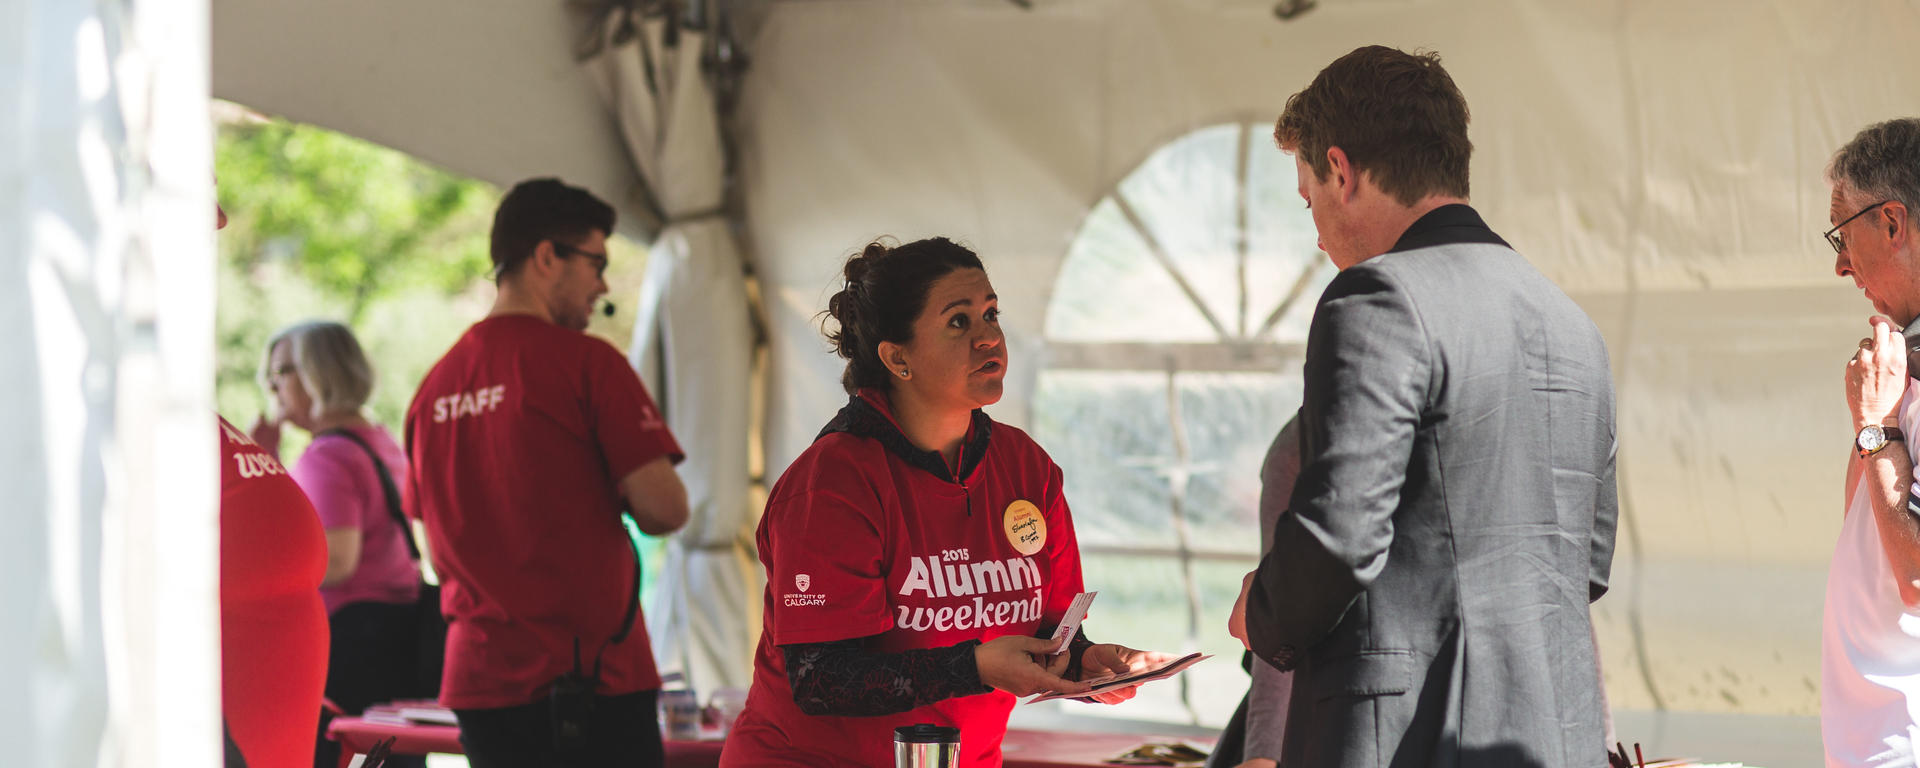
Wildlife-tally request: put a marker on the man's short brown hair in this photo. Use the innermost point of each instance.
(1397, 115)
(543, 209)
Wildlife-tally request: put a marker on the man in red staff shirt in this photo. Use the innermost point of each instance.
(527, 441)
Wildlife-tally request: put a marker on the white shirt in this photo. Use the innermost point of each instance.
(1870, 643)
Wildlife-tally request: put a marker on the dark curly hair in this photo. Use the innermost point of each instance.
(886, 288)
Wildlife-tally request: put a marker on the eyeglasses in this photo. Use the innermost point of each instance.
(599, 259)
(1838, 241)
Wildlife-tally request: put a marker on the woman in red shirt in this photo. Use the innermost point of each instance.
(273, 628)
(918, 552)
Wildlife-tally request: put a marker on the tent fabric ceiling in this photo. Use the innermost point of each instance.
(1661, 162)
(495, 94)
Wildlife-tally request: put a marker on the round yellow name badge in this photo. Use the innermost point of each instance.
(1026, 529)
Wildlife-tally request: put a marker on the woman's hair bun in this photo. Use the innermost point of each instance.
(845, 306)
(885, 288)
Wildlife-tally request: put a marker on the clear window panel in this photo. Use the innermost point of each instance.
(1108, 432)
(1281, 239)
(1298, 318)
(1230, 421)
(1187, 195)
(1111, 289)
(1111, 431)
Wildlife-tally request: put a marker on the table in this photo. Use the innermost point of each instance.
(357, 735)
(1022, 748)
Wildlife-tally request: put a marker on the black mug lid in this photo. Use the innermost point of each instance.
(926, 733)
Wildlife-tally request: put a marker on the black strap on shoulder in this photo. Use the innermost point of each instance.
(387, 487)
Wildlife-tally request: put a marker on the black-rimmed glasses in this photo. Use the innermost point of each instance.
(599, 259)
(1834, 237)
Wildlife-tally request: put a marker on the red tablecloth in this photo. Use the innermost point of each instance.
(1022, 748)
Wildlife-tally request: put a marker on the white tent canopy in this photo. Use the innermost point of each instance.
(1661, 162)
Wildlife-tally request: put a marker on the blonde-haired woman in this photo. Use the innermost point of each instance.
(319, 380)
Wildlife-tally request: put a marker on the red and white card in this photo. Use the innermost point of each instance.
(1070, 623)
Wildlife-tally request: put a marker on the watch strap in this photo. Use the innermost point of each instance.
(1888, 435)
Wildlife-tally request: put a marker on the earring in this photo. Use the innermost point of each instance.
(903, 373)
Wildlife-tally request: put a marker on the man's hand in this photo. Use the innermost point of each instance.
(1007, 663)
(1110, 659)
(1237, 621)
(1877, 374)
(266, 434)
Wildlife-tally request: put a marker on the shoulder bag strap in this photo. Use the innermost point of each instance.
(387, 487)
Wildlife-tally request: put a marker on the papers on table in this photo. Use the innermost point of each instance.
(429, 715)
(1114, 682)
(409, 714)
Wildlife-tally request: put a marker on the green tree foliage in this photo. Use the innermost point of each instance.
(356, 221)
(326, 226)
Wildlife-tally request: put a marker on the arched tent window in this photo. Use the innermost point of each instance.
(1174, 341)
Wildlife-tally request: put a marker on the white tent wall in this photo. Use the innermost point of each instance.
(111, 469)
(1661, 161)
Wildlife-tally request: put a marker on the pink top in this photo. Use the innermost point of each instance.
(345, 492)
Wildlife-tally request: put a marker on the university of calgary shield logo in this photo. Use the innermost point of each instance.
(802, 581)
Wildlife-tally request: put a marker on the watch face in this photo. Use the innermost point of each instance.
(1871, 439)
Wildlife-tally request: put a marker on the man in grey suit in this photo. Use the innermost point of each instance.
(1454, 516)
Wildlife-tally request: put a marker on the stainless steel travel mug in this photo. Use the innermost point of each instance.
(925, 745)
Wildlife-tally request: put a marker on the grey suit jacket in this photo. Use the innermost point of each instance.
(1453, 518)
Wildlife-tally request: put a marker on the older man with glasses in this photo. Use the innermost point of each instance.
(1870, 667)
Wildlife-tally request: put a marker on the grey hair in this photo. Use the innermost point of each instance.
(330, 364)
(1882, 162)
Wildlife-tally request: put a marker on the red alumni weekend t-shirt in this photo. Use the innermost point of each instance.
(273, 628)
(518, 439)
(858, 542)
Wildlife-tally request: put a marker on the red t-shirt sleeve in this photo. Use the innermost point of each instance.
(628, 426)
(1065, 581)
(827, 575)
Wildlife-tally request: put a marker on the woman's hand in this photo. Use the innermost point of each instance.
(1877, 374)
(1105, 659)
(266, 434)
(1007, 663)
